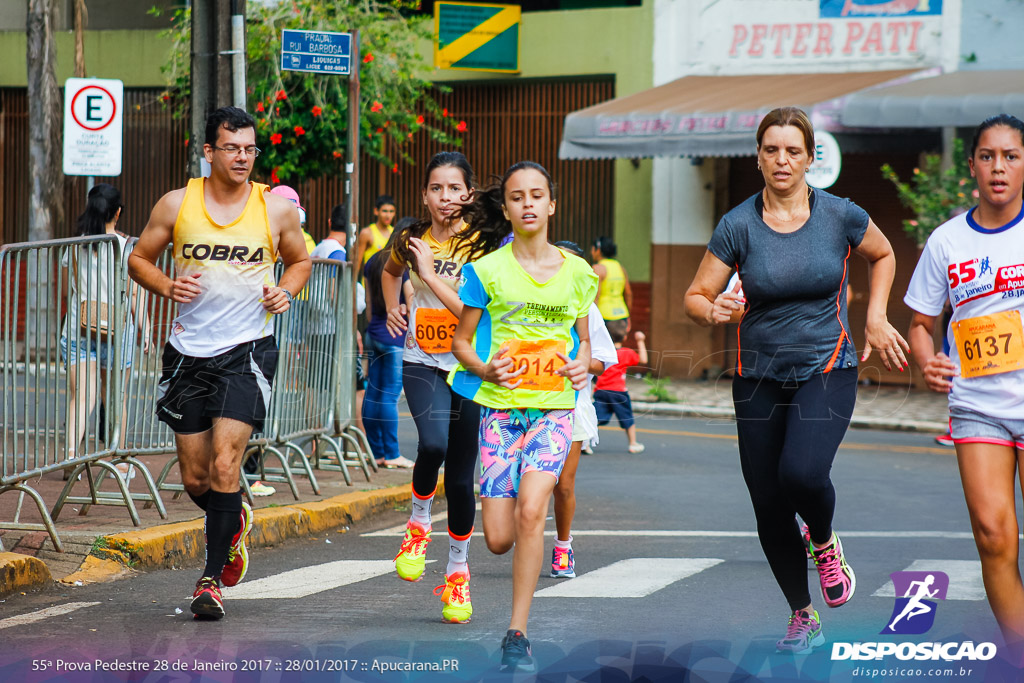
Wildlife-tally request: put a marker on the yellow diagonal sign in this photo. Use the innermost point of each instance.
(476, 37)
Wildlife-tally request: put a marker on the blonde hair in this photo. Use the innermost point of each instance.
(788, 116)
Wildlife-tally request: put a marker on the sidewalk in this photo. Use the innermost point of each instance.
(878, 407)
(103, 544)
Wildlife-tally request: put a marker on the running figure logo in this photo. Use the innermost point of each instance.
(914, 612)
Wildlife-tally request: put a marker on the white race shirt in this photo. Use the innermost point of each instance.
(602, 349)
(980, 272)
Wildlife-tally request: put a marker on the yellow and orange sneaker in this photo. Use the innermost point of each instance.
(412, 556)
(455, 595)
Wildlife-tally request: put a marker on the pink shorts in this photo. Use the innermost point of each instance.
(519, 440)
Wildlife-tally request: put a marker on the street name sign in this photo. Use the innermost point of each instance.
(93, 126)
(324, 52)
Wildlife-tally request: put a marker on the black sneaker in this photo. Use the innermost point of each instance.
(516, 654)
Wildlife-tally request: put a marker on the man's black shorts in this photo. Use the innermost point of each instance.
(235, 384)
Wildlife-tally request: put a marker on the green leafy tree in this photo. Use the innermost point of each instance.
(302, 118)
(934, 193)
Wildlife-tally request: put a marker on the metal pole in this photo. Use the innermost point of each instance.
(238, 54)
(352, 190)
(202, 78)
(352, 148)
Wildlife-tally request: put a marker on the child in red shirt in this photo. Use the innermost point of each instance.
(610, 395)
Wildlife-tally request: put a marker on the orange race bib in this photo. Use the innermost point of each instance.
(990, 344)
(541, 362)
(435, 328)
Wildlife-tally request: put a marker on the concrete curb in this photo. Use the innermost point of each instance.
(21, 571)
(894, 423)
(171, 545)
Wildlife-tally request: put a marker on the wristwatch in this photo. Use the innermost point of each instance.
(288, 295)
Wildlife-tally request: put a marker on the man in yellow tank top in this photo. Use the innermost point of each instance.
(220, 358)
(373, 237)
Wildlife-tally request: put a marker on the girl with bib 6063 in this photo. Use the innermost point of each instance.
(447, 423)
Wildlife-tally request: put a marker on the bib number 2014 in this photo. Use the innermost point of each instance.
(990, 344)
(539, 363)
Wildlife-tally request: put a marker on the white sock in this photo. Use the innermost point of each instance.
(564, 545)
(458, 553)
(421, 509)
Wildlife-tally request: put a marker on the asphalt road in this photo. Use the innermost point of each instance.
(671, 578)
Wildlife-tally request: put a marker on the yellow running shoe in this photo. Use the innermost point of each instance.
(412, 556)
(455, 595)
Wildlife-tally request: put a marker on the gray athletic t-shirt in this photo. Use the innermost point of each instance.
(795, 324)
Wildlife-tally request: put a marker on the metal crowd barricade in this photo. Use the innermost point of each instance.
(141, 432)
(286, 393)
(62, 295)
(308, 381)
(344, 430)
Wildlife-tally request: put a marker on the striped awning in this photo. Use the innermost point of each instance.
(708, 115)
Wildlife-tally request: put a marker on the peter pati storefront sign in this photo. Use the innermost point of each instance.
(886, 34)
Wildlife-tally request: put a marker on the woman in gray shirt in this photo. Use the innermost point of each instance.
(796, 376)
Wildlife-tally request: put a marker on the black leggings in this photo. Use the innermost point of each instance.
(788, 437)
(449, 430)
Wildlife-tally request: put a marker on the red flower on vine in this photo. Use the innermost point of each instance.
(299, 130)
(337, 154)
(444, 112)
(281, 95)
(368, 58)
(394, 169)
(259, 106)
(420, 119)
(317, 111)
(273, 175)
(376, 106)
(275, 139)
(461, 127)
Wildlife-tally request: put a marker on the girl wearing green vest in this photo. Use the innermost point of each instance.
(523, 347)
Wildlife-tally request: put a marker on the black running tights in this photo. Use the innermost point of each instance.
(449, 431)
(788, 437)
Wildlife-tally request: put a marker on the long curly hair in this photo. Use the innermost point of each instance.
(488, 228)
(419, 228)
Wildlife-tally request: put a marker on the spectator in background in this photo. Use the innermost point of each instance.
(384, 350)
(373, 237)
(610, 395)
(614, 297)
(84, 342)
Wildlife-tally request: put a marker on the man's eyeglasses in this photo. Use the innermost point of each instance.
(252, 151)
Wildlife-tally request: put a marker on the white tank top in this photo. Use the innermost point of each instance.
(235, 261)
(431, 324)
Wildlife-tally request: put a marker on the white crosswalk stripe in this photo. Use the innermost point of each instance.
(964, 578)
(636, 577)
(298, 583)
(706, 533)
(31, 617)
